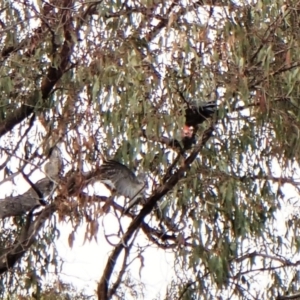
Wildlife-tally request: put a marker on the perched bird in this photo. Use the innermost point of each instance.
(123, 181)
(196, 113)
(54, 166)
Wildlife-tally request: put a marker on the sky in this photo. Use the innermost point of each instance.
(84, 263)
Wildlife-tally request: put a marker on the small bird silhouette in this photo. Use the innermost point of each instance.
(196, 113)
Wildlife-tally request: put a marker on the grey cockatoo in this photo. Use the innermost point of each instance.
(123, 181)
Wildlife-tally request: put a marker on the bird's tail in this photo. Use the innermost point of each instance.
(134, 199)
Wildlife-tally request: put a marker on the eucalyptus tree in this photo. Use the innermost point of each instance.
(202, 97)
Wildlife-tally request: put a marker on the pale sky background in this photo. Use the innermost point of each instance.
(84, 263)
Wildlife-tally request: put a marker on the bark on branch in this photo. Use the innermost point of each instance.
(21, 204)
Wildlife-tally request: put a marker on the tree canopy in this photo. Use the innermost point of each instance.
(81, 82)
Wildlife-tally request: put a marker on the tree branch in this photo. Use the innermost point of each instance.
(49, 81)
(162, 190)
(12, 254)
(19, 205)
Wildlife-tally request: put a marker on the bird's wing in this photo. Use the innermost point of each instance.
(197, 112)
(121, 178)
(124, 187)
(204, 107)
(112, 167)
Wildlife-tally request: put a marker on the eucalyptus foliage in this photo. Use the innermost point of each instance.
(113, 79)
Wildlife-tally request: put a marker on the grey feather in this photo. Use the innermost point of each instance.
(123, 180)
